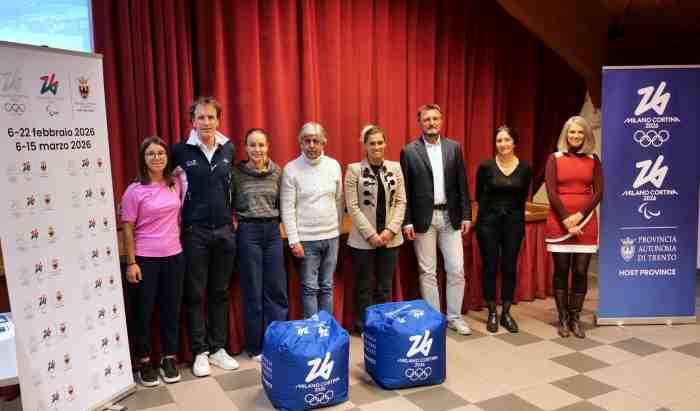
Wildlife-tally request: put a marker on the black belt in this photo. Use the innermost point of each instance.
(440, 206)
(258, 220)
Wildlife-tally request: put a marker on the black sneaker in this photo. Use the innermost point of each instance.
(169, 371)
(148, 375)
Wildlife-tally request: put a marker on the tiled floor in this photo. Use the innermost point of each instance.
(616, 368)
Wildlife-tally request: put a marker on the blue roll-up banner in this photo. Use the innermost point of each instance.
(649, 213)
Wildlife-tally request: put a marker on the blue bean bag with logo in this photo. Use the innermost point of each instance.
(405, 344)
(305, 363)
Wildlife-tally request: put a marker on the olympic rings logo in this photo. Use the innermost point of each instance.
(319, 399)
(15, 108)
(418, 374)
(651, 137)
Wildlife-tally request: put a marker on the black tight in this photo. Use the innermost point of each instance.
(577, 263)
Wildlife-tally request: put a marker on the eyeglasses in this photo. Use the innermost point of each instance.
(155, 154)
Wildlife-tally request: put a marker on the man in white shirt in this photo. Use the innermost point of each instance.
(438, 212)
(311, 200)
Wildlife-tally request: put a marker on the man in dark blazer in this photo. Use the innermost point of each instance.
(438, 211)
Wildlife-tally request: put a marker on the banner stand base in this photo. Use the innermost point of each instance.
(110, 403)
(620, 321)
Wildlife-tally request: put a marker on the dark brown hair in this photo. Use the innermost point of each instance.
(144, 178)
(511, 132)
(205, 101)
(255, 130)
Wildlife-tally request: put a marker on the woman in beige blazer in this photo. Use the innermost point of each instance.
(376, 201)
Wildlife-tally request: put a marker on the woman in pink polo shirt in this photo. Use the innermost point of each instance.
(155, 263)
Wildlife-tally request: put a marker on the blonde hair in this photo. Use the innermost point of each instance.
(369, 130)
(588, 140)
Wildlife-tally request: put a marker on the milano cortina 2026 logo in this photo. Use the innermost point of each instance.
(652, 171)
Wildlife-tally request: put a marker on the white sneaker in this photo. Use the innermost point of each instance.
(222, 360)
(460, 326)
(201, 368)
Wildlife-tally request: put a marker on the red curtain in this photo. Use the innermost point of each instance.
(278, 64)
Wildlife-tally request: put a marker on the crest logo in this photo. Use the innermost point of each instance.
(421, 344)
(651, 174)
(652, 99)
(83, 87)
(627, 249)
(50, 84)
(320, 369)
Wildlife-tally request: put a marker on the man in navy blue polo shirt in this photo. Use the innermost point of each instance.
(208, 239)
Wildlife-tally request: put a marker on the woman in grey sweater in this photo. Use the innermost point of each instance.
(255, 197)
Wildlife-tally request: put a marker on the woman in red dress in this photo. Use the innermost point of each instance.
(574, 182)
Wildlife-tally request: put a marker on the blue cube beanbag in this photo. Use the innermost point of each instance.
(305, 363)
(405, 344)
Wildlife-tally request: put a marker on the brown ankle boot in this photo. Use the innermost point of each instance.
(575, 306)
(562, 299)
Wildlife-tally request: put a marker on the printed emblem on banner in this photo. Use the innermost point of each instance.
(627, 249)
(70, 393)
(85, 166)
(55, 400)
(83, 101)
(39, 270)
(26, 169)
(107, 371)
(88, 196)
(42, 303)
(37, 379)
(50, 84)
(115, 311)
(104, 345)
(67, 364)
(647, 212)
(48, 202)
(52, 110)
(51, 368)
(112, 282)
(92, 351)
(10, 83)
(63, 330)
(30, 203)
(108, 254)
(59, 299)
(653, 98)
(120, 368)
(105, 224)
(82, 260)
(15, 209)
(47, 336)
(11, 173)
(97, 287)
(117, 339)
(95, 381)
(33, 344)
(95, 257)
(51, 234)
(15, 108)
(101, 314)
(29, 311)
(92, 225)
(20, 242)
(654, 174)
(100, 165)
(71, 169)
(320, 369)
(55, 266)
(34, 237)
(89, 322)
(103, 194)
(43, 168)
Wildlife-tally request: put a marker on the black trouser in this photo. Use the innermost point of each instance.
(162, 280)
(577, 263)
(210, 253)
(500, 232)
(370, 266)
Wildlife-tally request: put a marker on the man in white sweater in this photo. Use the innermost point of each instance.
(311, 200)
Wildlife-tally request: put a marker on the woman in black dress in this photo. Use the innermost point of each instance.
(502, 186)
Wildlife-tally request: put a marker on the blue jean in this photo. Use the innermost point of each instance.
(316, 271)
(263, 279)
